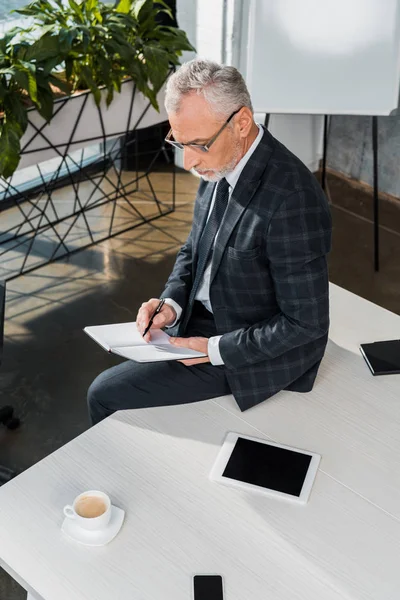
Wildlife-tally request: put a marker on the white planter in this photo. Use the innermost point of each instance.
(78, 122)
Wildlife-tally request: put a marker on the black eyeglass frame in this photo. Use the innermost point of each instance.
(203, 147)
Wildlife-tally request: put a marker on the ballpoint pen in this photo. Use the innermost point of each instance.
(158, 309)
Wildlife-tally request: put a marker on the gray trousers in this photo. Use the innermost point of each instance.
(140, 385)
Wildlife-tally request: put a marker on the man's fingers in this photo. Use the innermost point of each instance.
(163, 318)
(143, 317)
(190, 362)
(145, 312)
(182, 342)
(159, 320)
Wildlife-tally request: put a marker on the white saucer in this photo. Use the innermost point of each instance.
(95, 538)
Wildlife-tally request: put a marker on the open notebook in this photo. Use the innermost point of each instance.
(124, 339)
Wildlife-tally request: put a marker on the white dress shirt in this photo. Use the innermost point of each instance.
(203, 291)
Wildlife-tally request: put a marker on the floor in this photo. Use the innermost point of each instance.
(49, 362)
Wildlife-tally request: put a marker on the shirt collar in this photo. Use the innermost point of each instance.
(233, 176)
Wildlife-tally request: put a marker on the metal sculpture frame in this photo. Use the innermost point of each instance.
(36, 220)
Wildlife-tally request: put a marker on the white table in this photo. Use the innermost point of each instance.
(344, 544)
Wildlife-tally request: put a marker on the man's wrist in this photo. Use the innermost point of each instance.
(213, 351)
(177, 309)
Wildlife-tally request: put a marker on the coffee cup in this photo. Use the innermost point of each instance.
(90, 510)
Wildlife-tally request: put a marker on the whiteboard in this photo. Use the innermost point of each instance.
(323, 56)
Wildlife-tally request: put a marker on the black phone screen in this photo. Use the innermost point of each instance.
(207, 587)
(383, 357)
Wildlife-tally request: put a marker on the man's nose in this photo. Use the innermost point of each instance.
(190, 158)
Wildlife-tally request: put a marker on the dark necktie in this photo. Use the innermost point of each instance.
(206, 243)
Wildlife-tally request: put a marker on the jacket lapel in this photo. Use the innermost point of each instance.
(243, 192)
(237, 205)
(201, 217)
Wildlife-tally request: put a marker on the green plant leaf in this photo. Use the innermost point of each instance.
(122, 50)
(98, 15)
(85, 32)
(158, 62)
(50, 64)
(117, 84)
(10, 148)
(40, 10)
(18, 75)
(164, 4)
(90, 5)
(110, 96)
(16, 112)
(142, 9)
(30, 71)
(69, 68)
(6, 39)
(66, 38)
(153, 99)
(45, 103)
(7, 71)
(105, 69)
(123, 6)
(76, 10)
(46, 47)
(50, 28)
(174, 39)
(28, 11)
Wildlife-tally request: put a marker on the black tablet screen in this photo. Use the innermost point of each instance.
(268, 466)
(384, 357)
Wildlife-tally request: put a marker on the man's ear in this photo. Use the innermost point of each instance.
(245, 121)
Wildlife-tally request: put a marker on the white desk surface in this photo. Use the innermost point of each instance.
(344, 544)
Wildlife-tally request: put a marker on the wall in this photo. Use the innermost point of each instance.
(203, 22)
(302, 134)
(350, 150)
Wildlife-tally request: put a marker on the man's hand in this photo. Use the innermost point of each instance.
(194, 343)
(165, 317)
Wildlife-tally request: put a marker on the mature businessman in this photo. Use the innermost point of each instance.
(250, 286)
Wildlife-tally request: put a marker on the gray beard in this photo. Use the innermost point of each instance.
(219, 174)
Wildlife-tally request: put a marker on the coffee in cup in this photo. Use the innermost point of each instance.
(90, 510)
(90, 507)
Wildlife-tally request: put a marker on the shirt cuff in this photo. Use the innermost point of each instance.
(177, 309)
(213, 351)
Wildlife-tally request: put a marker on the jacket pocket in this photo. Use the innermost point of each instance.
(244, 254)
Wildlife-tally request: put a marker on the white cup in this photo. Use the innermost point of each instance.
(90, 523)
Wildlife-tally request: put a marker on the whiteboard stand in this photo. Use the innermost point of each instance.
(376, 194)
(325, 148)
(299, 58)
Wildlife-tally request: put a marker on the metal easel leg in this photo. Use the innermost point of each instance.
(376, 191)
(325, 149)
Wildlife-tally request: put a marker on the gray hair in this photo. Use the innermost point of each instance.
(223, 87)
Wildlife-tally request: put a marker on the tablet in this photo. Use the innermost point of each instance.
(383, 358)
(256, 465)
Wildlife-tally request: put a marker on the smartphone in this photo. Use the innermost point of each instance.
(208, 587)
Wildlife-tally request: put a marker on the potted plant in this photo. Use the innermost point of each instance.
(23, 83)
(107, 63)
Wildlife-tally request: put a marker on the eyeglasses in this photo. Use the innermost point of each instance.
(202, 147)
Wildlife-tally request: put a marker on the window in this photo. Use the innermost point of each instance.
(9, 5)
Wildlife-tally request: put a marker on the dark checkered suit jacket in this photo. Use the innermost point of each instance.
(269, 279)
